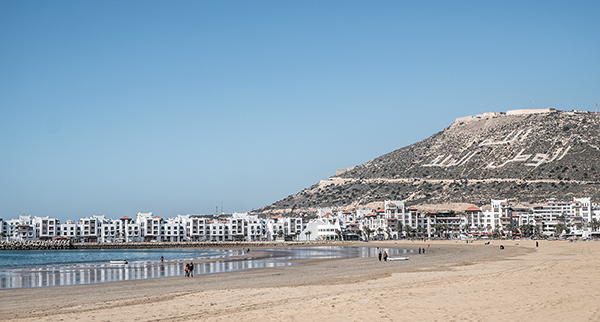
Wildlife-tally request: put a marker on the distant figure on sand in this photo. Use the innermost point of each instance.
(187, 270)
(380, 256)
(385, 256)
(501, 246)
(162, 259)
(536, 244)
(419, 250)
(191, 269)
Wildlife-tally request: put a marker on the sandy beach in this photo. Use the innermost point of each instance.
(453, 281)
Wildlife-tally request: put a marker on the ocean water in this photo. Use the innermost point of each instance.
(23, 269)
(37, 258)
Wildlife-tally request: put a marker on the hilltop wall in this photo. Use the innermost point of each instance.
(485, 115)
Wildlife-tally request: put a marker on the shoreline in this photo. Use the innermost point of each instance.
(68, 245)
(452, 281)
(224, 260)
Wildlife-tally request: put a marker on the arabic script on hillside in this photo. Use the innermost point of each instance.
(513, 137)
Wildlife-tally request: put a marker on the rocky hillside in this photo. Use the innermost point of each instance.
(525, 157)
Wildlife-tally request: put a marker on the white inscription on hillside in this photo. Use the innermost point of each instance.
(514, 136)
(536, 161)
(448, 162)
(507, 139)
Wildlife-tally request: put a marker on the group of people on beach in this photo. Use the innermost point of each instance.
(384, 254)
(189, 270)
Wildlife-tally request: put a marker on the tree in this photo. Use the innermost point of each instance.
(368, 231)
(559, 228)
(399, 228)
(308, 233)
(466, 229)
(408, 230)
(339, 234)
(594, 224)
(419, 231)
(438, 229)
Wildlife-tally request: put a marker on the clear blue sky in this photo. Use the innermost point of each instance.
(115, 107)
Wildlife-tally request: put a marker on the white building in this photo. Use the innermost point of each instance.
(175, 229)
(327, 227)
(46, 228)
(70, 230)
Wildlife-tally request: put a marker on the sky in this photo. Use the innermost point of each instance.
(183, 107)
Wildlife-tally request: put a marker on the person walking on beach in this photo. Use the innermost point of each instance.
(536, 244)
(187, 270)
(191, 269)
(385, 256)
(419, 250)
(380, 256)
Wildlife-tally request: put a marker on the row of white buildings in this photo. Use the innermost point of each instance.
(149, 227)
(394, 220)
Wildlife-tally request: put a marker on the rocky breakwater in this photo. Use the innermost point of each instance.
(36, 245)
(220, 244)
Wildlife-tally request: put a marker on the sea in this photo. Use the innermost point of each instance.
(46, 268)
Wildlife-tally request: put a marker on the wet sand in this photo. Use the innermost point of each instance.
(452, 281)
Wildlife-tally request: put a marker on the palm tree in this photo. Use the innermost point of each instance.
(496, 232)
(339, 234)
(558, 229)
(368, 231)
(408, 230)
(308, 233)
(438, 229)
(420, 231)
(399, 228)
(526, 230)
(466, 229)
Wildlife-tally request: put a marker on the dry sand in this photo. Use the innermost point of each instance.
(451, 282)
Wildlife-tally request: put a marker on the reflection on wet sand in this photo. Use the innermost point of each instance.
(101, 272)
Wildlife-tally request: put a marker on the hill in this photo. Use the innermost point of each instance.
(527, 156)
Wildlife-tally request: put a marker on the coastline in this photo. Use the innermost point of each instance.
(67, 244)
(453, 280)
